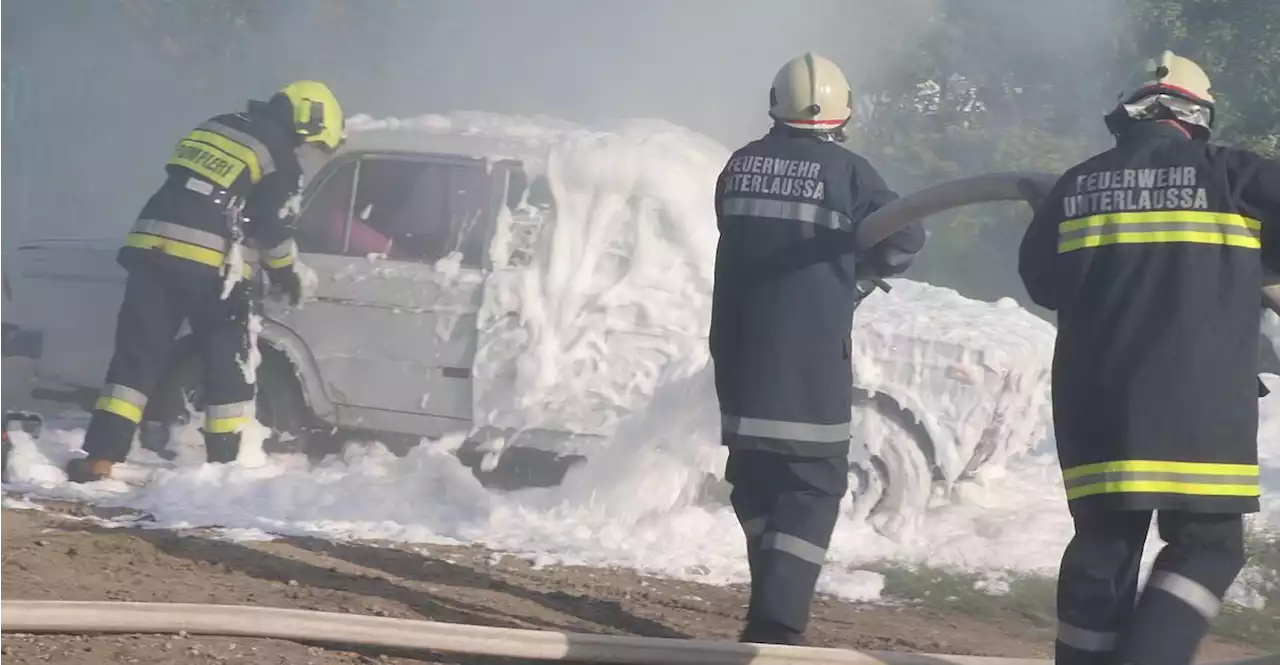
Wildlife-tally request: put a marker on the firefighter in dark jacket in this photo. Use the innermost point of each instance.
(1152, 254)
(786, 284)
(228, 203)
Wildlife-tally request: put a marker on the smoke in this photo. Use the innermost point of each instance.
(97, 91)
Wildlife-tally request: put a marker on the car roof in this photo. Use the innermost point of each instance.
(409, 142)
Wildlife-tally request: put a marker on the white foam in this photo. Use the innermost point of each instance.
(603, 331)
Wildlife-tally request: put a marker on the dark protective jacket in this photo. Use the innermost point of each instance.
(1152, 254)
(786, 287)
(236, 176)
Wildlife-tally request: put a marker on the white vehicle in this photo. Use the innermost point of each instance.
(385, 345)
(400, 231)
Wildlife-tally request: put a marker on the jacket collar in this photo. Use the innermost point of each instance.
(1154, 129)
(277, 109)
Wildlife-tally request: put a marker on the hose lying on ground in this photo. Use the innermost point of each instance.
(53, 616)
(37, 616)
(28, 616)
(1030, 187)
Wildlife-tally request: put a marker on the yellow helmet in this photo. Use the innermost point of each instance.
(810, 92)
(316, 114)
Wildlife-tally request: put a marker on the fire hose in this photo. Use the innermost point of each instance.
(51, 616)
(1029, 187)
(31, 616)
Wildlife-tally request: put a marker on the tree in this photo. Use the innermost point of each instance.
(998, 87)
(1235, 41)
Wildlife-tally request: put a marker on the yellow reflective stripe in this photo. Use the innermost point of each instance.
(282, 255)
(1163, 487)
(1188, 478)
(186, 234)
(259, 148)
(123, 401)
(227, 418)
(182, 250)
(130, 412)
(1202, 237)
(241, 152)
(225, 425)
(211, 163)
(1195, 226)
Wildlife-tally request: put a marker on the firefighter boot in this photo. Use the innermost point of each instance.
(87, 469)
(769, 632)
(221, 448)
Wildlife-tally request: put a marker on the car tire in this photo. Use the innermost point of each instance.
(891, 482)
(281, 405)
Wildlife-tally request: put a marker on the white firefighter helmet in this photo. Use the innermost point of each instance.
(810, 92)
(1172, 83)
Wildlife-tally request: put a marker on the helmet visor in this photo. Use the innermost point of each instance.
(1152, 107)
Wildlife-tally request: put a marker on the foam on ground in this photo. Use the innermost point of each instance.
(602, 331)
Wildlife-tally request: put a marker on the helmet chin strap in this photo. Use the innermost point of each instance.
(1175, 123)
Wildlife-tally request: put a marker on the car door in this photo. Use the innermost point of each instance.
(398, 244)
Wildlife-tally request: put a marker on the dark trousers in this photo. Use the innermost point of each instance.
(788, 508)
(156, 302)
(1101, 619)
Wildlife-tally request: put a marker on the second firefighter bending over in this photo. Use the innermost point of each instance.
(234, 178)
(786, 285)
(1152, 253)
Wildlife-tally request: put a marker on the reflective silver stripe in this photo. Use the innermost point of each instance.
(1188, 591)
(124, 394)
(265, 163)
(235, 410)
(793, 210)
(786, 446)
(282, 251)
(782, 429)
(796, 547)
(754, 527)
(173, 231)
(1157, 476)
(1086, 640)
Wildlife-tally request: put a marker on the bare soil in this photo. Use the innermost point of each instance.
(56, 554)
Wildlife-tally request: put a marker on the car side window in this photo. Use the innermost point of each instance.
(416, 210)
(531, 205)
(322, 225)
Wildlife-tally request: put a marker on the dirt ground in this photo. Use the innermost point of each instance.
(53, 555)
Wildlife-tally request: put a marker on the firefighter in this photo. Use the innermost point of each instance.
(1152, 254)
(229, 202)
(787, 281)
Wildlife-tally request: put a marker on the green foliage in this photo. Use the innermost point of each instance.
(982, 93)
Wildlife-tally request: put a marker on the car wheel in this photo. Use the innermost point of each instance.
(892, 483)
